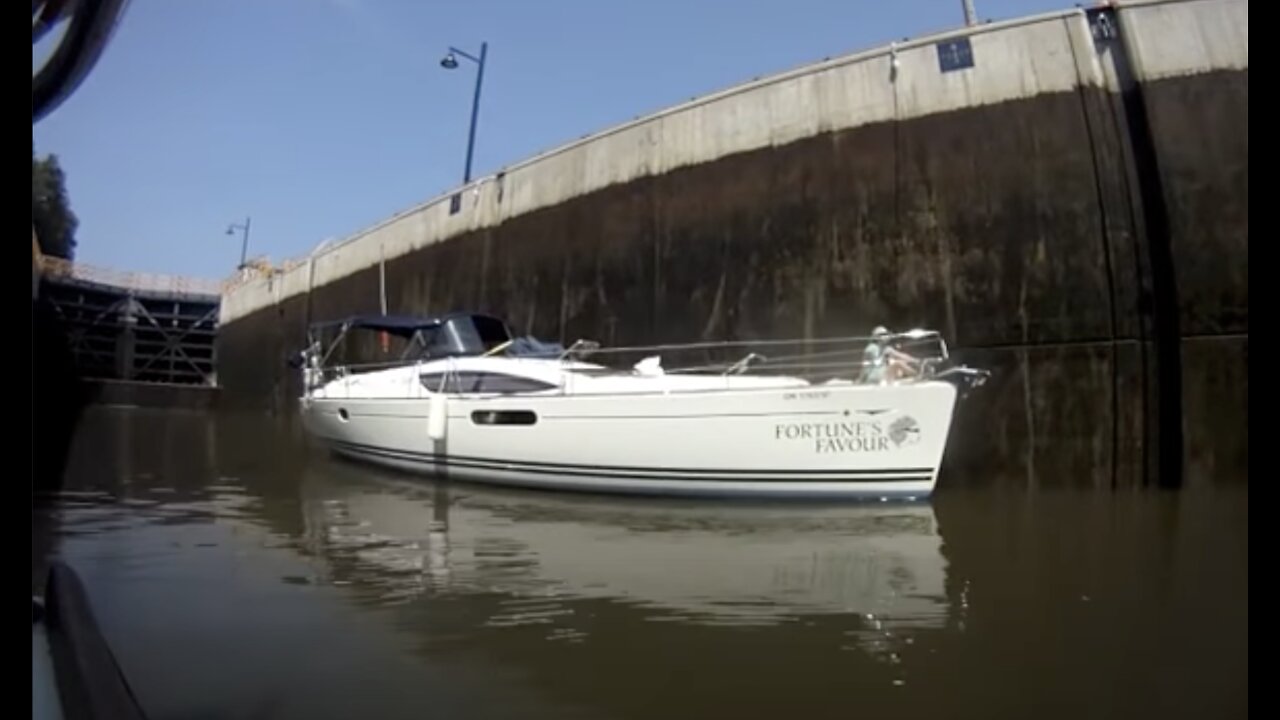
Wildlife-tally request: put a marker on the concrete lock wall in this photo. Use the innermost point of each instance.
(1192, 60)
(1065, 196)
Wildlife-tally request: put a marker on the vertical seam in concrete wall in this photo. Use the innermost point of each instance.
(1133, 201)
(382, 278)
(311, 283)
(1164, 309)
(1104, 225)
(897, 149)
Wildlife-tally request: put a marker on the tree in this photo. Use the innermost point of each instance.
(51, 214)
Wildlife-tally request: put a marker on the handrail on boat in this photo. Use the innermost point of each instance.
(580, 345)
(594, 347)
(812, 361)
(739, 367)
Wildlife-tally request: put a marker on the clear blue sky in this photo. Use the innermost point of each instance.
(321, 117)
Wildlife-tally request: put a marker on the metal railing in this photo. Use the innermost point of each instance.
(913, 355)
(55, 268)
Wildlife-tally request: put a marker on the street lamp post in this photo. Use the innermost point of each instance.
(450, 62)
(244, 242)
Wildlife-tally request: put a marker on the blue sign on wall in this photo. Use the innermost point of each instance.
(955, 54)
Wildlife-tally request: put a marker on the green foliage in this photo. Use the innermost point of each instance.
(51, 214)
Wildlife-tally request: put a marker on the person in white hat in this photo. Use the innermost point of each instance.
(881, 362)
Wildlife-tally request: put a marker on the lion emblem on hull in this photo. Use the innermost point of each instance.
(904, 431)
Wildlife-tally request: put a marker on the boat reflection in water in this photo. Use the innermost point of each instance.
(393, 539)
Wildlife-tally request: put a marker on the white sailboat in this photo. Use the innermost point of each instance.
(468, 400)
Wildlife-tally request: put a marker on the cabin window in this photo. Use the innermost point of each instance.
(492, 331)
(466, 335)
(504, 417)
(437, 343)
(478, 382)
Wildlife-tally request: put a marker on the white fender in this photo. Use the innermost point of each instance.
(438, 417)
